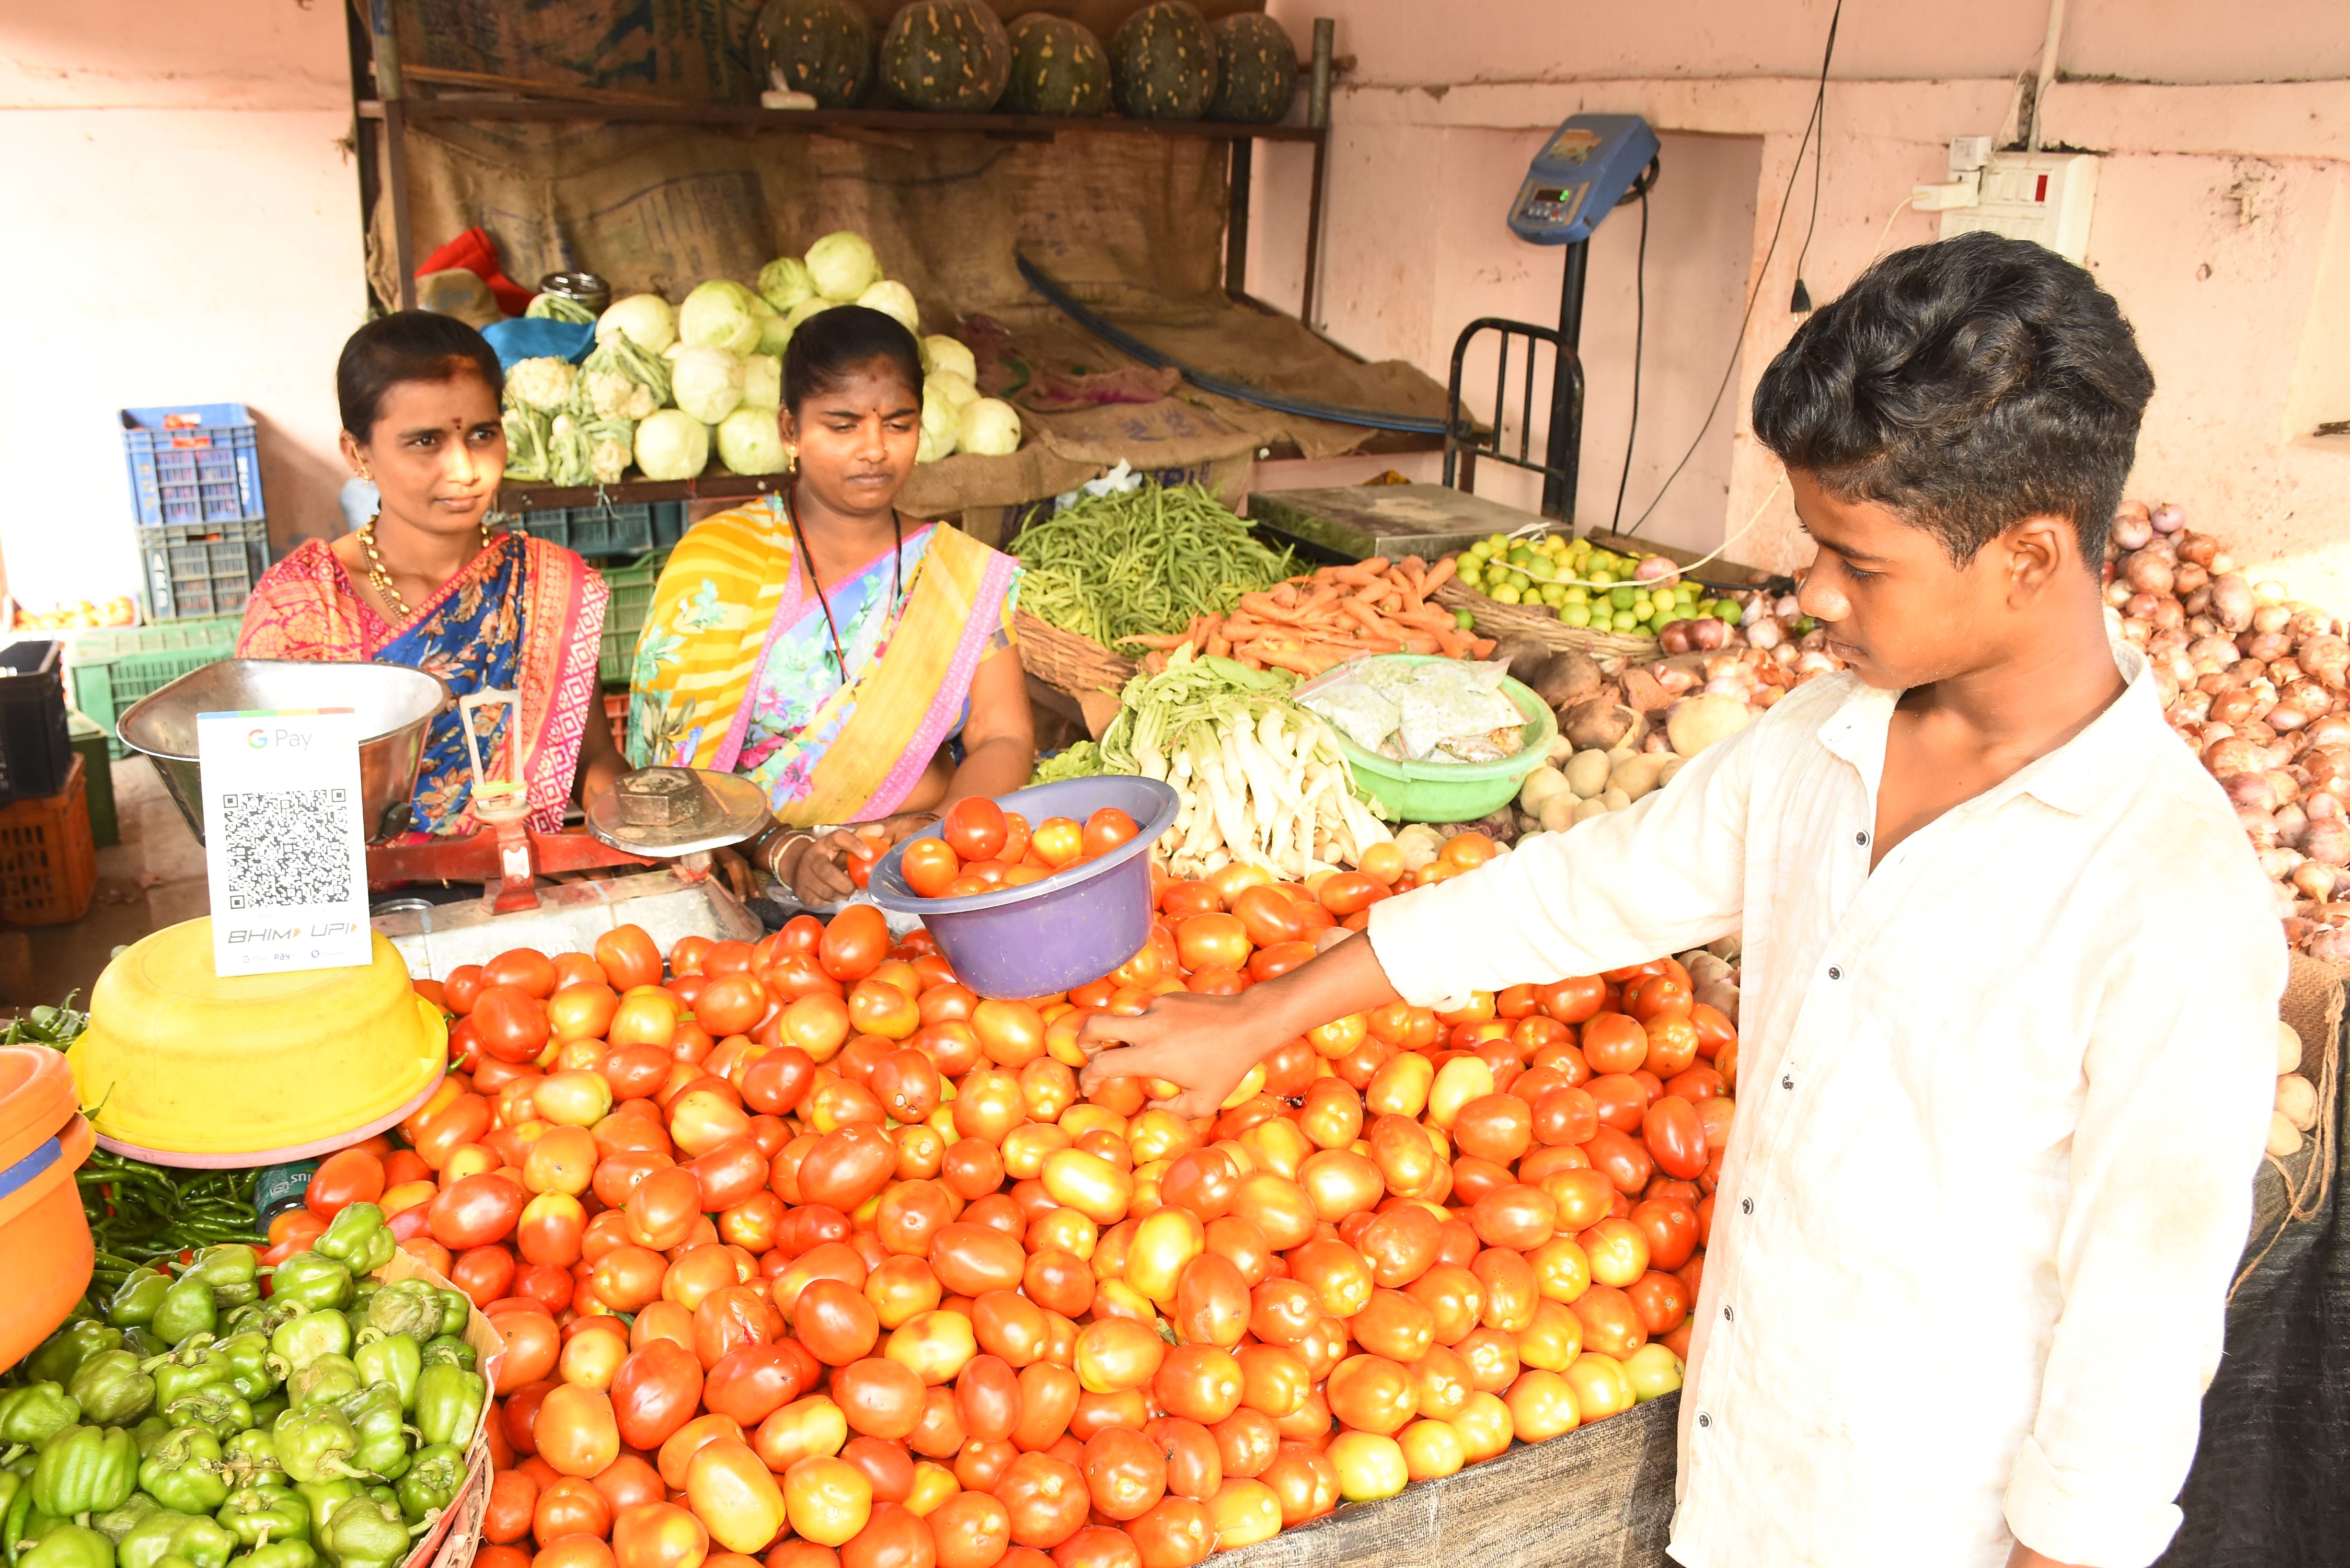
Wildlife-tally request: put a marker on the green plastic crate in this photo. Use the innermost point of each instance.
(97, 777)
(108, 670)
(631, 588)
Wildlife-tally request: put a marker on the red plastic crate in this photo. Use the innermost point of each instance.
(48, 862)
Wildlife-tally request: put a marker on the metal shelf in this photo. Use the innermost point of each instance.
(1025, 127)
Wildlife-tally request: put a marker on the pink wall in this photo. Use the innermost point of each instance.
(2222, 220)
(183, 227)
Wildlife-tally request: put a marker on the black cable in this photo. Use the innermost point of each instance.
(1800, 301)
(1640, 334)
(1819, 102)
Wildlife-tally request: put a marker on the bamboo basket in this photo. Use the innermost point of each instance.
(1067, 662)
(1495, 619)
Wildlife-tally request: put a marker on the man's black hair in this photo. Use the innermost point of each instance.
(832, 345)
(1965, 385)
(408, 346)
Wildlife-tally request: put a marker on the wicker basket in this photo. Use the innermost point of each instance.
(1067, 662)
(1495, 619)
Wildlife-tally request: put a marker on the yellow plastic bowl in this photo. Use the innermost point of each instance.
(180, 1062)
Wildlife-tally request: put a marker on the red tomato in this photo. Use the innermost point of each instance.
(1268, 916)
(1676, 1138)
(1046, 1498)
(974, 828)
(657, 1390)
(929, 866)
(629, 957)
(1626, 1163)
(1107, 830)
(475, 1210)
(353, 1176)
(511, 1023)
(854, 943)
(527, 969)
(1671, 1228)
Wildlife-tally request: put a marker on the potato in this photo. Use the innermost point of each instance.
(1541, 784)
(1636, 776)
(1561, 748)
(1672, 765)
(2284, 1138)
(1614, 799)
(1599, 723)
(1586, 773)
(2288, 1048)
(1585, 810)
(1558, 813)
(2296, 1101)
(1697, 723)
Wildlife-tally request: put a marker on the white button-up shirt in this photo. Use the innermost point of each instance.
(2000, 1106)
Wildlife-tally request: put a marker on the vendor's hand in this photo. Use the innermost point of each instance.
(742, 878)
(816, 869)
(1205, 1045)
(904, 825)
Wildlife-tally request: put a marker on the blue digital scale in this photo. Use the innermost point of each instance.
(1590, 167)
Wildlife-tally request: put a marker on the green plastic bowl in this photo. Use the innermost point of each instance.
(1451, 791)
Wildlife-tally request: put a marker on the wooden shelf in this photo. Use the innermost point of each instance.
(1029, 127)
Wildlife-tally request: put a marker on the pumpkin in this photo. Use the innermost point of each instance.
(946, 54)
(821, 48)
(1256, 69)
(1163, 62)
(1057, 67)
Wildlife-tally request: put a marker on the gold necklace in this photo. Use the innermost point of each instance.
(380, 575)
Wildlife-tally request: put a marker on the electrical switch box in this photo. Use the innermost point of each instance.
(2043, 197)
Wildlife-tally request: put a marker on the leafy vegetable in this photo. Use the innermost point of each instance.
(940, 424)
(842, 265)
(671, 444)
(621, 379)
(895, 300)
(989, 427)
(1082, 761)
(762, 382)
(749, 442)
(1141, 563)
(527, 431)
(784, 282)
(719, 315)
(942, 354)
(646, 319)
(952, 385)
(706, 382)
(544, 384)
(558, 308)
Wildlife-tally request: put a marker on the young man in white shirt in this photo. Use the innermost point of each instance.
(2011, 972)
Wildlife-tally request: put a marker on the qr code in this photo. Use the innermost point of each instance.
(287, 847)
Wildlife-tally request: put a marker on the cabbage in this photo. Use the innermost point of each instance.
(749, 442)
(718, 315)
(525, 444)
(544, 384)
(621, 381)
(784, 282)
(671, 444)
(896, 300)
(645, 319)
(558, 308)
(762, 382)
(941, 352)
(938, 427)
(842, 265)
(805, 308)
(955, 389)
(707, 383)
(989, 427)
(775, 336)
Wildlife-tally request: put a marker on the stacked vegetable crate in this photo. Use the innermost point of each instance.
(105, 671)
(195, 487)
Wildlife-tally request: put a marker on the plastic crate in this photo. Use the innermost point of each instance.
(618, 529)
(48, 864)
(631, 587)
(98, 775)
(34, 750)
(202, 568)
(105, 671)
(194, 463)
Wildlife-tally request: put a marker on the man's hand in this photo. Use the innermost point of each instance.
(1205, 1045)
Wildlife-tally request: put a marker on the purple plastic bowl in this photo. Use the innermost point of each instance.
(1051, 936)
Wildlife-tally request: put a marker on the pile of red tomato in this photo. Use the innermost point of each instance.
(803, 1252)
(982, 847)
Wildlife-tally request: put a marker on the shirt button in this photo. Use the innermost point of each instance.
(1703, 1420)
(1729, 1315)
(1746, 1206)
(1861, 839)
(1835, 974)
(1787, 1083)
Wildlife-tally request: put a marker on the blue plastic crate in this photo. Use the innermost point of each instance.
(202, 568)
(194, 463)
(614, 528)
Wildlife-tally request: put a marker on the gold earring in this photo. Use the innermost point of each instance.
(365, 475)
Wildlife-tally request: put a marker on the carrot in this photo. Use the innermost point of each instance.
(1453, 643)
(1437, 575)
(1219, 645)
(1250, 662)
(1421, 642)
(1284, 594)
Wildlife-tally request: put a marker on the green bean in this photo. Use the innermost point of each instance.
(1141, 563)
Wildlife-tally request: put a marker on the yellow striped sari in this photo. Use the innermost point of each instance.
(732, 589)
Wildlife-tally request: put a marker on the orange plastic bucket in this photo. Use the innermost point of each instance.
(43, 1232)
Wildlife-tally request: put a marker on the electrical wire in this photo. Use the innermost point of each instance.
(1800, 302)
(1639, 334)
(1819, 102)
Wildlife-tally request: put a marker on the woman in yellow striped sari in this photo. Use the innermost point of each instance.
(859, 667)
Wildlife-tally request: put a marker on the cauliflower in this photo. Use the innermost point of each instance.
(621, 380)
(544, 384)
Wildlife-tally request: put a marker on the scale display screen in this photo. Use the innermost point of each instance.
(1583, 168)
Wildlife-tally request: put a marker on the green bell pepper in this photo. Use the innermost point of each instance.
(376, 1416)
(231, 1270)
(322, 1498)
(136, 1299)
(111, 1389)
(381, 1493)
(118, 1522)
(150, 1431)
(357, 1237)
(456, 1311)
(221, 1410)
(251, 1459)
(187, 1308)
(329, 1380)
(196, 1364)
(448, 1348)
(395, 1361)
(434, 1481)
(247, 1356)
(146, 1346)
(203, 1543)
(36, 1413)
(297, 1343)
(405, 1306)
(365, 1533)
(85, 1470)
(312, 1280)
(257, 1515)
(280, 1554)
(149, 1540)
(70, 1547)
(184, 1472)
(62, 1353)
(449, 1401)
(316, 1444)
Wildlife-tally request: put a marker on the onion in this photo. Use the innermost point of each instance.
(2283, 786)
(2323, 805)
(2188, 577)
(2117, 594)
(2189, 707)
(2285, 717)
(2333, 730)
(2135, 632)
(1765, 634)
(2264, 645)
(2147, 572)
(2231, 601)
(2291, 822)
(2210, 653)
(2167, 518)
(2328, 841)
(1709, 633)
(2325, 657)
(2251, 790)
(2315, 879)
(2261, 828)
(2238, 705)
(2277, 865)
(2268, 591)
(2271, 617)
(2132, 531)
(2232, 756)
(2334, 947)
(1788, 608)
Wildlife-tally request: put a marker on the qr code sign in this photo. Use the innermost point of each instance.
(287, 848)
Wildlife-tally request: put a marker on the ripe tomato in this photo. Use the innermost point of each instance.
(930, 865)
(1611, 1324)
(656, 1391)
(1107, 830)
(526, 969)
(1268, 916)
(1672, 1228)
(1675, 1137)
(974, 828)
(511, 1023)
(972, 1529)
(1372, 1394)
(475, 1210)
(1046, 1499)
(854, 943)
(1623, 1162)
(1662, 1301)
(352, 1176)
(1175, 1534)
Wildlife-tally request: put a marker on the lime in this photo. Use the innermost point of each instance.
(1626, 620)
(1503, 594)
(1577, 594)
(1600, 576)
(1622, 595)
(1575, 615)
(1728, 613)
(1464, 619)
